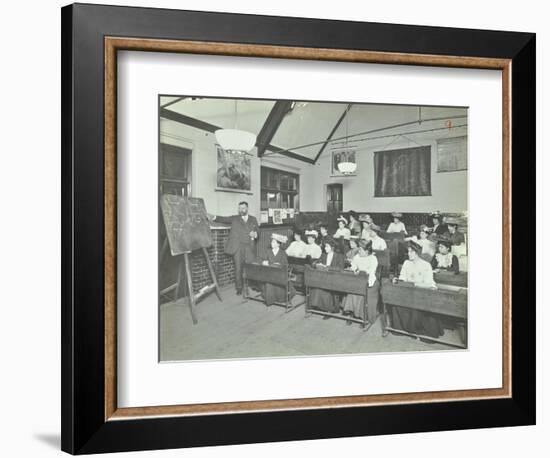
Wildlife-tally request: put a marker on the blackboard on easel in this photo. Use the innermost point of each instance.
(187, 230)
(186, 222)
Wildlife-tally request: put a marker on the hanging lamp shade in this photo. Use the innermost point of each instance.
(347, 167)
(235, 139)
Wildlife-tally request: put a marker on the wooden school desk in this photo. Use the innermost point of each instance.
(337, 282)
(449, 278)
(276, 275)
(451, 302)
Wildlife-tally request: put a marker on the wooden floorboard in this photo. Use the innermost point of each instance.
(234, 328)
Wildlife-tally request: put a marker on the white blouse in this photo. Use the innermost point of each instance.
(366, 264)
(379, 244)
(313, 250)
(396, 227)
(418, 272)
(297, 249)
(444, 260)
(365, 234)
(428, 247)
(345, 232)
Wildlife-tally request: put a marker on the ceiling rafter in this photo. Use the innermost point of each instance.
(272, 123)
(211, 128)
(332, 132)
(178, 99)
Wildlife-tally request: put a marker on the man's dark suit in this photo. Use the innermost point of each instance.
(240, 245)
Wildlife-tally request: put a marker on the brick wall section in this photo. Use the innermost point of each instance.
(222, 263)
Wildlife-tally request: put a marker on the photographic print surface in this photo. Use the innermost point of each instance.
(293, 228)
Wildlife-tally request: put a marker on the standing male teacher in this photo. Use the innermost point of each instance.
(241, 243)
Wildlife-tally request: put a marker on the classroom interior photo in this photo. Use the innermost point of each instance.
(294, 228)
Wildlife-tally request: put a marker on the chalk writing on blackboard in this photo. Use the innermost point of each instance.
(186, 223)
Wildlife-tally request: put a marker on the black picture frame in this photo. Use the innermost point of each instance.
(84, 426)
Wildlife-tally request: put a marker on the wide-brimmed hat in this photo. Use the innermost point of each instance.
(452, 221)
(415, 246)
(363, 217)
(311, 233)
(443, 240)
(437, 215)
(343, 219)
(280, 238)
(297, 230)
(397, 215)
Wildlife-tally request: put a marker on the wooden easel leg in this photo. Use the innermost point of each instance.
(180, 280)
(163, 250)
(190, 287)
(212, 273)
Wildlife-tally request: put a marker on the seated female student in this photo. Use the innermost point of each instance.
(297, 248)
(397, 225)
(424, 240)
(342, 232)
(312, 250)
(320, 298)
(323, 235)
(275, 256)
(353, 248)
(364, 261)
(354, 225)
(444, 259)
(456, 237)
(378, 243)
(367, 224)
(418, 272)
(438, 226)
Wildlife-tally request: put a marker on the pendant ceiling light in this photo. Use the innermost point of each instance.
(235, 139)
(346, 166)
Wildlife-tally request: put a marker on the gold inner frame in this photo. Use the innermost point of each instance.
(114, 44)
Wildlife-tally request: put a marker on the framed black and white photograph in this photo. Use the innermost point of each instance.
(301, 242)
(389, 257)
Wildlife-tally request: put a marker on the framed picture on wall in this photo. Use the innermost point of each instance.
(233, 173)
(452, 153)
(342, 157)
(165, 289)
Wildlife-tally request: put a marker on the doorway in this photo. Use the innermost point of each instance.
(335, 202)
